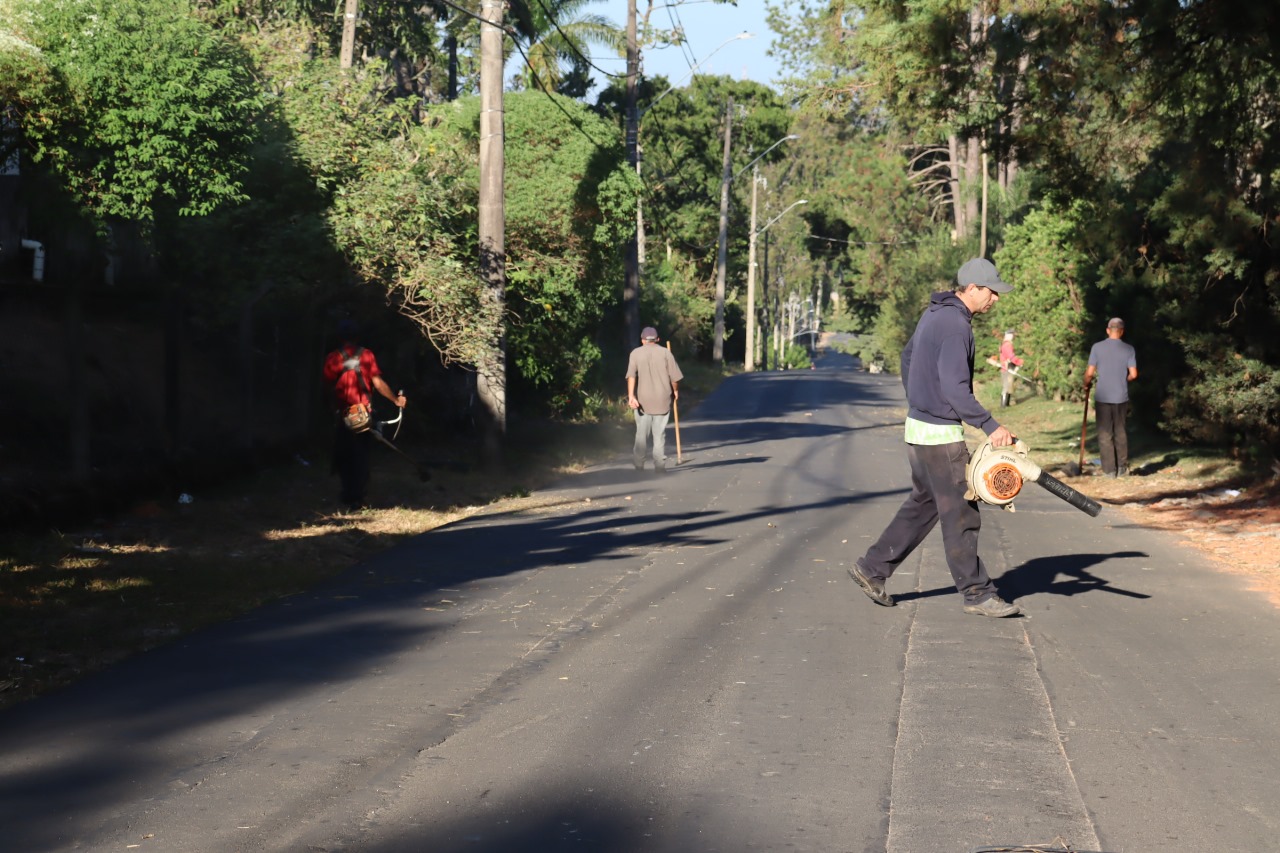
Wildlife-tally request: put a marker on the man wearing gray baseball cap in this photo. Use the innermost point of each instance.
(937, 372)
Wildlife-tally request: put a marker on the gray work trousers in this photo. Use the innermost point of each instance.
(651, 426)
(937, 494)
(1113, 438)
(1006, 383)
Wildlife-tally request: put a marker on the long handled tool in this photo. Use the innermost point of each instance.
(423, 473)
(994, 362)
(675, 409)
(1084, 424)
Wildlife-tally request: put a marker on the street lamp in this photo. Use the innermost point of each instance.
(717, 352)
(786, 138)
(749, 364)
(749, 361)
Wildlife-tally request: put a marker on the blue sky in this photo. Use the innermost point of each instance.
(707, 25)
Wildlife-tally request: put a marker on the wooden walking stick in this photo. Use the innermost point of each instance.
(1085, 424)
(675, 408)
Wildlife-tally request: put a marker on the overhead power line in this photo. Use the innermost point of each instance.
(677, 26)
(506, 29)
(574, 47)
(863, 242)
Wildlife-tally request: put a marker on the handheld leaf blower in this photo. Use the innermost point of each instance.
(995, 476)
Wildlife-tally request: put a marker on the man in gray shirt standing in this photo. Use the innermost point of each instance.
(653, 384)
(1115, 365)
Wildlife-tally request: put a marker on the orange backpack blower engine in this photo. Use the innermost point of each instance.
(995, 475)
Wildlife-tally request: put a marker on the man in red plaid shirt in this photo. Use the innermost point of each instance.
(351, 371)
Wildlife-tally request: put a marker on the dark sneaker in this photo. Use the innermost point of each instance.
(639, 465)
(660, 469)
(995, 607)
(873, 588)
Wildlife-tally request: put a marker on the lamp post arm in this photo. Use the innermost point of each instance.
(786, 138)
(782, 214)
(693, 69)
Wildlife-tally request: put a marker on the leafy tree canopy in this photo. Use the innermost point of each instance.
(682, 139)
(1149, 129)
(559, 34)
(570, 201)
(144, 107)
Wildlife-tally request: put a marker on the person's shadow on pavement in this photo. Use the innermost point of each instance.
(1041, 576)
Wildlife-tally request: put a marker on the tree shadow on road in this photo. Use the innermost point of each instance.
(244, 673)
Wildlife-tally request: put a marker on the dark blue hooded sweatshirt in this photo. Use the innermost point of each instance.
(937, 367)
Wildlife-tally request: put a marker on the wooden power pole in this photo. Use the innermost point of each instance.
(749, 364)
(631, 283)
(491, 378)
(722, 254)
(349, 33)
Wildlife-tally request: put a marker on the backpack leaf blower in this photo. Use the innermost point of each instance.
(995, 475)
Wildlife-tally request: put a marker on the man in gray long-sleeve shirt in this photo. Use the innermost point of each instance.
(937, 372)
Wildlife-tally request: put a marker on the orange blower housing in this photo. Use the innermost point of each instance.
(996, 475)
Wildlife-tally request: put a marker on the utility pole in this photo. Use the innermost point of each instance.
(349, 33)
(722, 255)
(491, 373)
(631, 284)
(813, 323)
(779, 319)
(452, 45)
(768, 314)
(750, 363)
(982, 248)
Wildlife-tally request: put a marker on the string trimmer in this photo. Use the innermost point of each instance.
(994, 362)
(423, 474)
(995, 476)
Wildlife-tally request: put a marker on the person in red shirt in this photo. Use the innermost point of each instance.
(1008, 361)
(353, 373)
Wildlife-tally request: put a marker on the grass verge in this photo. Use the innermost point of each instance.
(1052, 430)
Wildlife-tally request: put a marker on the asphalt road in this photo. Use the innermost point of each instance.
(682, 664)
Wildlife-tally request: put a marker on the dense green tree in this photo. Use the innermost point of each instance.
(570, 199)
(405, 41)
(1047, 307)
(681, 142)
(143, 115)
(405, 222)
(811, 47)
(402, 186)
(1160, 117)
(145, 109)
